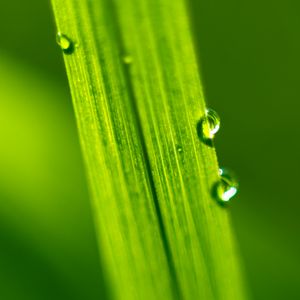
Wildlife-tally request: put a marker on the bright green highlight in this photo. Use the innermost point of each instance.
(127, 59)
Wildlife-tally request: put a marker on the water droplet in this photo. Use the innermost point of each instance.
(179, 148)
(127, 59)
(227, 186)
(208, 126)
(65, 43)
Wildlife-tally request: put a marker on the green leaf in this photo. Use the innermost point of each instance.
(138, 99)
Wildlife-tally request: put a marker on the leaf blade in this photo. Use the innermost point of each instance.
(128, 230)
(145, 111)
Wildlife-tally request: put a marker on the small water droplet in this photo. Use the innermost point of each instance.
(65, 43)
(208, 126)
(127, 59)
(227, 186)
(179, 148)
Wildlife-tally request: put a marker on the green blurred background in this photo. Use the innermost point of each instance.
(249, 53)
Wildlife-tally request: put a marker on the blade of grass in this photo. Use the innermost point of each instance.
(170, 102)
(129, 234)
(161, 233)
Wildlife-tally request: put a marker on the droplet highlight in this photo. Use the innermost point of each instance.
(208, 126)
(65, 43)
(227, 186)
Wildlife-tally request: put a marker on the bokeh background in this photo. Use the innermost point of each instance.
(249, 53)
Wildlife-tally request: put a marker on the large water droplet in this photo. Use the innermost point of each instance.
(208, 126)
(227, 186)
(65, 43)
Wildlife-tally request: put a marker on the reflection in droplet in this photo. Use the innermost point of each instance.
(227, 186)
(65, 43)
(210, 124)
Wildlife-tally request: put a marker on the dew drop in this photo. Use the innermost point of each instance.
(208, 126)
(179, 148)
(65, 43)
(227, 186)
(127, 59)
